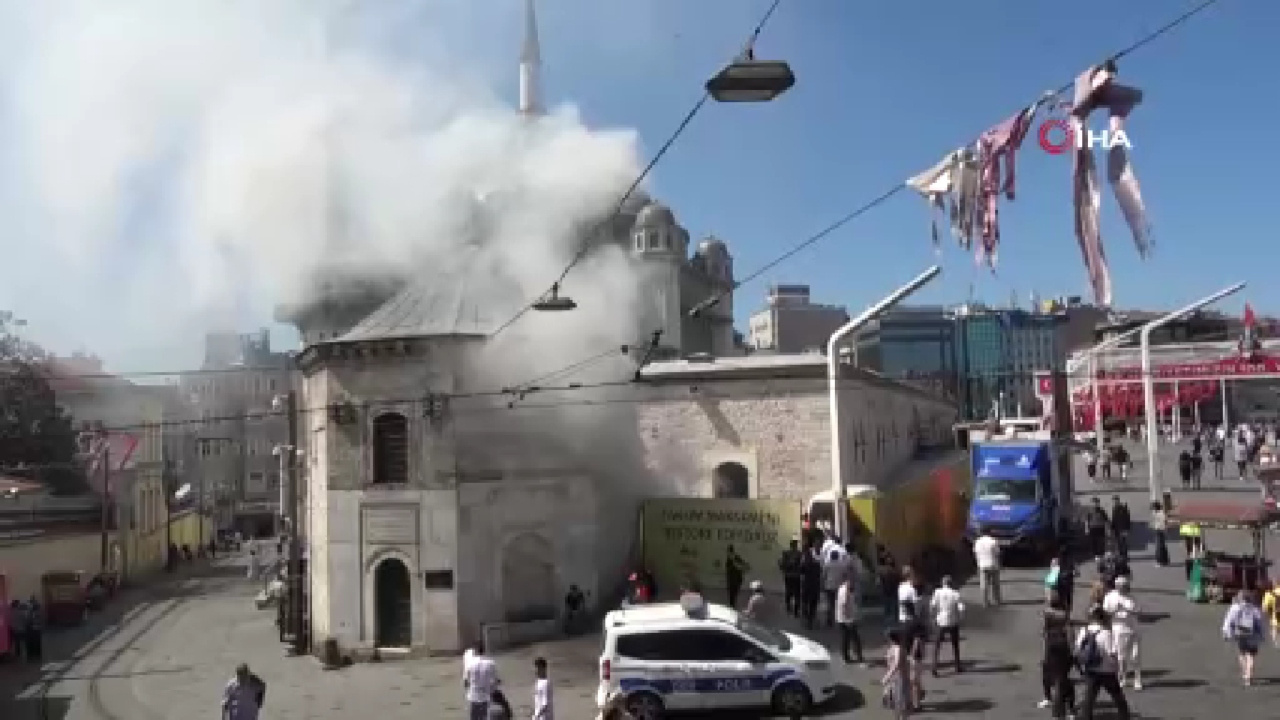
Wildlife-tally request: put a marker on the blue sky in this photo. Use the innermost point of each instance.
(887, 88)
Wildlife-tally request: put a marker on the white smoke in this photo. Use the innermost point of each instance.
(172, 166)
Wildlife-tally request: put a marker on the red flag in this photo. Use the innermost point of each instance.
(1249, 319)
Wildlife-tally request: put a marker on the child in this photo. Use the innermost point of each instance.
(897, 678)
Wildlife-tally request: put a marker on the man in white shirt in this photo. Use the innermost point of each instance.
(1123, 610)
(480, 677)
(1096, 656)
(543, 705)
(835, 568)
(947, 609)
(908, 597)
(847, 619)
(986, 551)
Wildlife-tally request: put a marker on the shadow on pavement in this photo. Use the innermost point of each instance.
(847, 699)
(27, 690)
(984, 668)
(1177, 683)
(967, 706)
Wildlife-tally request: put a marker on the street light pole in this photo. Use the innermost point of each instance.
(104, 521)
(1148, 383)
(839, 484)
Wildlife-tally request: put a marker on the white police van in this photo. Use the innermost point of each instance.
(663, 657)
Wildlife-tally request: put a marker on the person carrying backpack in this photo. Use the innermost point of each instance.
(244, 695)
(1095, 655)
(1243, 625)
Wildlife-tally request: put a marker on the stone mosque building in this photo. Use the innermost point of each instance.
(418, 538)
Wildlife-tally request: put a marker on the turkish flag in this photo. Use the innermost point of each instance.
(1249, 319)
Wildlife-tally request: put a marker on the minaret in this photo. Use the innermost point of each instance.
(530, 62)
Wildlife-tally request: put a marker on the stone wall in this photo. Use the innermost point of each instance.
(779, 430)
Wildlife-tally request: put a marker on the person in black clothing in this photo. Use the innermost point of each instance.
(1065, 587)
(1121, 524)
(915, 635)
(1196, 445)
(1059, 691)
(1097, 523)
(734, 567)
(33, 630)
(1197, 469)
(1184, 469)
(789, 565)
(889, 579)
(810, 586)
(1217, 456)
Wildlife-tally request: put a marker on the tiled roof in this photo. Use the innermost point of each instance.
(444, 301)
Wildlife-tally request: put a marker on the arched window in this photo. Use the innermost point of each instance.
(731, 480)
(390, 449)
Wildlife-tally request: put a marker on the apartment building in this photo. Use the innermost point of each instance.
(230, 398)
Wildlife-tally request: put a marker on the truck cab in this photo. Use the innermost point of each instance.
(1022, 489)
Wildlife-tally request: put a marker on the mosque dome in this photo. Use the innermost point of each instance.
(655, 216)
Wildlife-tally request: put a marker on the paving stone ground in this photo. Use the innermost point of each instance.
(171, 660)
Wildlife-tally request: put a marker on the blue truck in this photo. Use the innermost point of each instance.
(1022, 491)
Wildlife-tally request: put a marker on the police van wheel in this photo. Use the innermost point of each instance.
(792, 700)
(646, 706)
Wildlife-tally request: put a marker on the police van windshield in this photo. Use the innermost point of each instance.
(764, 635)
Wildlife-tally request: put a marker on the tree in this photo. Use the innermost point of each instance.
(37, 439)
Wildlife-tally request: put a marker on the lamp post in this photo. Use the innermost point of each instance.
(839, 485)
(1148, 384)
(288, 404)
(1092, 356)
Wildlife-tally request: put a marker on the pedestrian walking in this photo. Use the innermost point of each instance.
(789, 566)
(244, 695)
(1097, 522)
(915, 634)
(810, 586)
(543, 701)
(948, 610)
(1125, 615)
(1217, 455)
(1055, 675)
(1243, 626)
(1121, 524)
(908, 597)
(889, 577)
(1159, 528)
(1271, 609)
(1184, 469)
(735, 569)
(1095, 654)
(835, 568)
(1197, 469)
(1091, 463)
(986, 552)
(847, 619)
(480, 681)
(33, 630)
(897, 695)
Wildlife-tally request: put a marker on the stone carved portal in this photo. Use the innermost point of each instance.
(529, 579)
(393, 604)
(731, 480)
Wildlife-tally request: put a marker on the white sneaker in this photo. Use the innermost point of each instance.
(1043, 704)
(1137, 684)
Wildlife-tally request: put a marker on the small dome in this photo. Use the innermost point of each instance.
(713, 247)
(655, 215)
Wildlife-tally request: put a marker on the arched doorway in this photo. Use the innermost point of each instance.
(731, 480)
(393, 604)
(529, 579)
